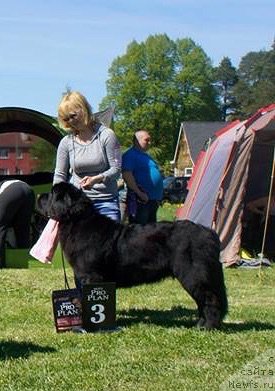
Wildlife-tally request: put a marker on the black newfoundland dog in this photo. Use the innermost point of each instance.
(99, 249)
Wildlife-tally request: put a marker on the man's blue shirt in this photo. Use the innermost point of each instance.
(145, 171)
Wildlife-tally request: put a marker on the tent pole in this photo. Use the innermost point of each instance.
(261, 255)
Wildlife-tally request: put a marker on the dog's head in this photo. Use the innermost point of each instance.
(65, 202)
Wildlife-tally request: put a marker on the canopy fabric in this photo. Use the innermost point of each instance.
(24, 120)
(19, 119)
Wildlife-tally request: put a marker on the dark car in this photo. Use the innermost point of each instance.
(175, 189)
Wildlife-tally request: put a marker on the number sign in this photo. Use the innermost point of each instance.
(99, 306)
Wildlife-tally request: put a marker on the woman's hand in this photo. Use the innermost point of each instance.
(89, 181)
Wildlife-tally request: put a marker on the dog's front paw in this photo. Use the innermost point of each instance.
(201, 323)
(204, 324)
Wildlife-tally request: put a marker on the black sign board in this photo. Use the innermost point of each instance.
(67, 309)
(99, 306)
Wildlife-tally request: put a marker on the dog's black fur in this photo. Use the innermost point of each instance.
(99, 249)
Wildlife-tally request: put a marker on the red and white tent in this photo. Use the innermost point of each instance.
(235, 167)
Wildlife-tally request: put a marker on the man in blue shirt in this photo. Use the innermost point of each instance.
(143, 179)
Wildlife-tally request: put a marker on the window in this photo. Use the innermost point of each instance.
(4, 153)
(19, 153)
(4, 171)
(188, 171)
(18, 171)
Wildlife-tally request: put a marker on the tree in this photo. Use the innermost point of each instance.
(226, 77)
(158, 84)
(45, 154)
(256, 85)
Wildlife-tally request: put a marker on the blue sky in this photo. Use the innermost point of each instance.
(48, 45)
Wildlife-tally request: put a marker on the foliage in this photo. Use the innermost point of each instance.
(45, 154)
(256, 85)
(225, 76)
(156, 348)
(158, 84)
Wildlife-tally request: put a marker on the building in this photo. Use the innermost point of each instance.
(15, 154)
(191, 139)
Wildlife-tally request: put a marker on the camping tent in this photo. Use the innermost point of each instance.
(235, 167)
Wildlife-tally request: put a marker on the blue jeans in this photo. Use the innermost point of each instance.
(110, 209)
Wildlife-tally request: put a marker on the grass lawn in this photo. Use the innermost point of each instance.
(167, 211)
(157, 348)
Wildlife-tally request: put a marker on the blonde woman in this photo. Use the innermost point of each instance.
(89, 155)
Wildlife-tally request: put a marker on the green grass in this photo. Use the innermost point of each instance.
(167, 211)
(157, 348)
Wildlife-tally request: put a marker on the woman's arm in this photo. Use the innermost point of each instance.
(62, 166)
(111, 149)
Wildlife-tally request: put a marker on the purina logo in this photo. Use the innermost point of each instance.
(98, 293)
(257, 374)
(99, 306)
(67, 309)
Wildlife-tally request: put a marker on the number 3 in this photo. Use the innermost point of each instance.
(99, 311)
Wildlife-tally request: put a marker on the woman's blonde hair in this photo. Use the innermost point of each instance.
(70, 101)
